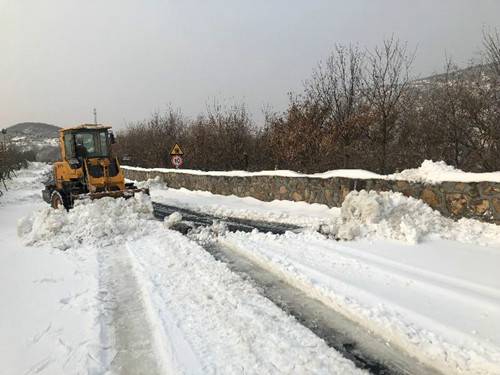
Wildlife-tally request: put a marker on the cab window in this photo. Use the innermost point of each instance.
(69, 146)
(94, 144)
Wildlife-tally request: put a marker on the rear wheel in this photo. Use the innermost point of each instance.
(56, 200)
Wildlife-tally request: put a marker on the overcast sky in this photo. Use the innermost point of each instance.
(129, 58)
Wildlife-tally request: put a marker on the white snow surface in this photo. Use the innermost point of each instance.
(299, 213)
(348, 173)
(49, 311)
(394, 216)
(430, 172)
(424, 282)
(103, 222)
(124, 283)
(385, 215)
(434, 172)
(172, 219)
(438, 300)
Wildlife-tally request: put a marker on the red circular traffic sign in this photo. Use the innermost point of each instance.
(177, 161)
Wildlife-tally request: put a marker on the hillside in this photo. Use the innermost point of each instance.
(38, 137)
(34, 130)
(471, 74)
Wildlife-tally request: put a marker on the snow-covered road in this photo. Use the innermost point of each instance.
(130, 296)
(444, 314)
(423, 282)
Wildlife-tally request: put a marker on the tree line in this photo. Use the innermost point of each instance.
(11, 159)
(359, 109)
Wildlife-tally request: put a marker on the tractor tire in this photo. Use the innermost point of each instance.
(56, 200)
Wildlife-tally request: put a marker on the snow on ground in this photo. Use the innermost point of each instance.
(221, 319)
(438, 300)
(127, 284)
(363, 215)
(127, 294)
(429, 172)
(299, 213)
(422, 281)
(394, 216)
(48, 313)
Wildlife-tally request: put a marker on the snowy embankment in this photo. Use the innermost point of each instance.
(429, 172)
(49, 311)
(424, 282)
(129, 294)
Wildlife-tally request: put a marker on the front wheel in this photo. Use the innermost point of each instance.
(56, 200)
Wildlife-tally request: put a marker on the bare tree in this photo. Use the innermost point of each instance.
(220, 138)
(336, 87)
(491, 41)
(385, 82)
(359, 109)
(147, 143)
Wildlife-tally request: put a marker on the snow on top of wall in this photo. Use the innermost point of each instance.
(348, 173)
(433, 172)
(429, 172)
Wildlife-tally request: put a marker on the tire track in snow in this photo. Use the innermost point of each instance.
(130, 327)
(366, 350)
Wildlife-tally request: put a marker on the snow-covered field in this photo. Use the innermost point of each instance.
(106, 289)
(423, 282)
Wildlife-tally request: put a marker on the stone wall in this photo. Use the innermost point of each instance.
(479, 200)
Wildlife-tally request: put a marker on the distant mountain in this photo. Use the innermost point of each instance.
(38, 137)
(477, 73)
(33, 130)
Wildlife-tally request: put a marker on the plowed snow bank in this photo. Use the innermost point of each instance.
(96, 223)
(395, 216)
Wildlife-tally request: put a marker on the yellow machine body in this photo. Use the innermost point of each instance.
(87, 167)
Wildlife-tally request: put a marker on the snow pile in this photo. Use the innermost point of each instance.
(394, 216)
(98, 223)
(172, 219)
(433, 172)
(386, 215)
(209, 234)
(429, 171)
(152, 183)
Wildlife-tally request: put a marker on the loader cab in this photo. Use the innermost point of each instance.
(85, 142)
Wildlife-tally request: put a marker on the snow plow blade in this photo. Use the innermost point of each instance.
(127, 193)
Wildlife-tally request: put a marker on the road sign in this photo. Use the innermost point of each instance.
(177, 161)
(176, 150)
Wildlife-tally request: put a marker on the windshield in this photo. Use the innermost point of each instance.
(91, 144)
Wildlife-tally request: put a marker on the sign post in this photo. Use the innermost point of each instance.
(176, 156)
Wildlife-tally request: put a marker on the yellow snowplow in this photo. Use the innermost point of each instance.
(87, 168)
